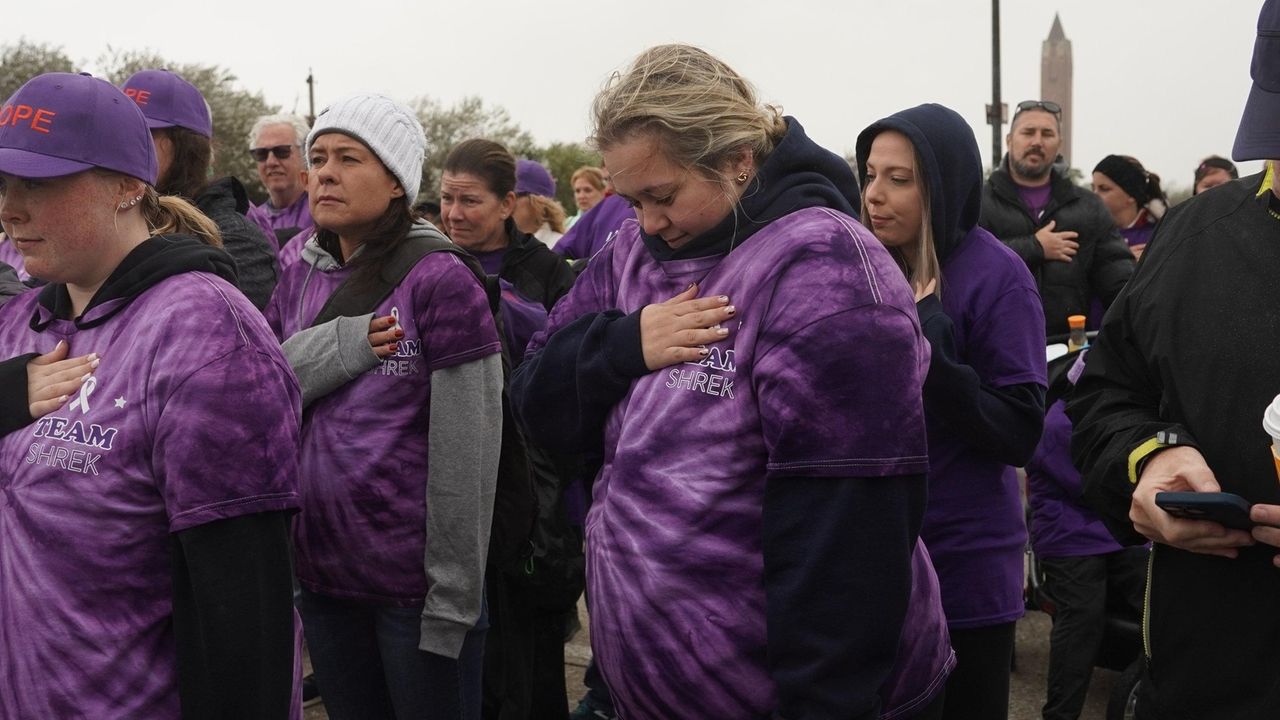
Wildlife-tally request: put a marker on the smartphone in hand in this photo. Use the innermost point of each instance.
(1226, 509)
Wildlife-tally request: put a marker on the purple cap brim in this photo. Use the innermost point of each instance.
(1259, 135)
(156, 124)
(27, 164)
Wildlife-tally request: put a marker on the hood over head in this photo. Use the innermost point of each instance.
(949, 163)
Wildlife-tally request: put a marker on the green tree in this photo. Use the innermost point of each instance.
(234, 109)
(25, 60)
(563, 160)
(468, 118)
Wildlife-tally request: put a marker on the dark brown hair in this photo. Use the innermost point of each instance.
(487, 160)
(188, 173)
(390, 229)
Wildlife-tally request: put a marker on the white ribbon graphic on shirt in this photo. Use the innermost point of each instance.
(86, 390)
(395, 313)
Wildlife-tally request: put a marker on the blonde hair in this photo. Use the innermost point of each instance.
(549, 211)
(701, 112)
(927, 266)
(591, 174)
(168, 214)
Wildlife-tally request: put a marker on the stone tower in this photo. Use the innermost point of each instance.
(1055, 78)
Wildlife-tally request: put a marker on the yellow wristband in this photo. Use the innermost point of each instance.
(1140, 453)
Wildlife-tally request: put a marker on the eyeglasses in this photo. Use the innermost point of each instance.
(1046, 105)
(282, 152)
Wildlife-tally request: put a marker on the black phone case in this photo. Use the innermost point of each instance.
(1225, 509)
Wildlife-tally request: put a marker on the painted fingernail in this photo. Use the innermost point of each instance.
(399, 333)
(93, 357)
(691, 286)
(704, 352)
(85, 377)
(730, 310)
(63, 399)
(723, 298)
(96, 362)
(393, 346)
(722, 331)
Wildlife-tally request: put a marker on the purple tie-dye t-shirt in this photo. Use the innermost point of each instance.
(362, 530)
(974, 525)
(294, 217)
(292, 250)
(193, 416)
(820, 376)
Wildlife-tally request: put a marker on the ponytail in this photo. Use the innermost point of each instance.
(168, 214)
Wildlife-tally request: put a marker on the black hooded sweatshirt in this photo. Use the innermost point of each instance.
(563, 392)
(232, 599)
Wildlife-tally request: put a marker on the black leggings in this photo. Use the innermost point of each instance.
(978, 689)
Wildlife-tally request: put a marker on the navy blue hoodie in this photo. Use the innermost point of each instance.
(1006, 420)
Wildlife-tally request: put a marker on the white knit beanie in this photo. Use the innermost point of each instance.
(390, 129)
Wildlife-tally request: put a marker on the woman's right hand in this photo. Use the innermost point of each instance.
(383, 336)
(52, 378)
(678, 330)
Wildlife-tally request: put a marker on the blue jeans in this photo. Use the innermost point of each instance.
(368, 665)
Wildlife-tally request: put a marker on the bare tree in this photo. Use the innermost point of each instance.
(25, 60)
(468, 118)
(234, 109)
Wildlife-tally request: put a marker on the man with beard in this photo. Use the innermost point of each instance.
(1063, 232)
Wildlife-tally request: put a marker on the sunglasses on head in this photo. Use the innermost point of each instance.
(1046, 105)
(281, 152)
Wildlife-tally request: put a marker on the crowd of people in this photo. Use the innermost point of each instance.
(764, 407)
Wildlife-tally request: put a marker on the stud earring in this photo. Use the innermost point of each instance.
(134, 201)
(742, 177)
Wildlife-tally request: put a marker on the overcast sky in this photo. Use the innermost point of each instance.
(1162, 81)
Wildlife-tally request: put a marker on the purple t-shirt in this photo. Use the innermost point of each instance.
(1035, 199)
(362, 531)
(820, 376)
(10, 256)
(296, 218)
(974, 526)
(597, 227)
(522, 317)
(1061, 525)
(1138, 234)
(193, 416)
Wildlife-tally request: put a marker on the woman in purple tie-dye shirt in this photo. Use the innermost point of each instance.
(144, 561)
(746, 359)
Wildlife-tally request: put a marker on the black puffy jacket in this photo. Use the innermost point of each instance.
(1100, 268)
(225, 202)
(536, 271)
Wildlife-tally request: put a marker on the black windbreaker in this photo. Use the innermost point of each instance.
(1192, 345)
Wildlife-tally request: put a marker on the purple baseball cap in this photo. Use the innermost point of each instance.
(533, 178)
(169, 101)
(1259, 135)
(63, 123)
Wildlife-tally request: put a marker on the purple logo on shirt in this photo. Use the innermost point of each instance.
(710, 383)
(73, 431)
(405, 360)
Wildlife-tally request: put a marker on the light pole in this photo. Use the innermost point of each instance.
(995, 111)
